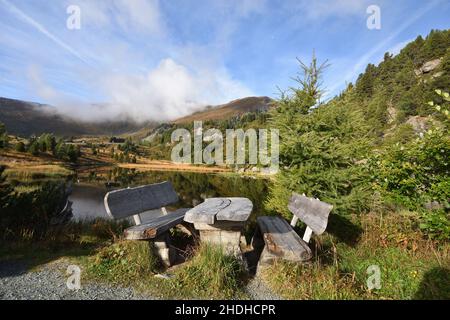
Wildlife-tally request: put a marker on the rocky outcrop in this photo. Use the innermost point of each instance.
(418, 123)
(392, 114)
(428, 66)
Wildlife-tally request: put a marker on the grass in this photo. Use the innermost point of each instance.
(123, 262)
(411, 266)
(32, 172)
(77, 239)
(209, 274)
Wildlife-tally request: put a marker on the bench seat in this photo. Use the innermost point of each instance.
(132, 202)
(279, 240)
(155, 227)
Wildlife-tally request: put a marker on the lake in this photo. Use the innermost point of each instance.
(89, 191)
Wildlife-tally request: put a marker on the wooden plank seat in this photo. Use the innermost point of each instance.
(275, 239)
(156, 227)
(133, 202)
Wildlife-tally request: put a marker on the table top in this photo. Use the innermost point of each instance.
(220, 209)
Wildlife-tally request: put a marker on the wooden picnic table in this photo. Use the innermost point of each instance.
(221, 221)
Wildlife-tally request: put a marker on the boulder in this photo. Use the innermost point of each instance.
(428, 66)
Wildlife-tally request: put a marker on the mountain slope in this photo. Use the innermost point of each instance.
(229, 110)
(26, 118)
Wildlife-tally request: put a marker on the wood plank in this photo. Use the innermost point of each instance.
(214, 210)
(123, 203)
(206, 211)
(281, 240)
(313, 212)
(239, 209)
(155, 227)
(220, 225)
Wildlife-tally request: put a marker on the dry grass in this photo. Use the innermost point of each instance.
(411, 266)
(27, 172)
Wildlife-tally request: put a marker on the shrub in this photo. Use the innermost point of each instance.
(31, 213)
(436, 224)
(416, 172)
(20, 147)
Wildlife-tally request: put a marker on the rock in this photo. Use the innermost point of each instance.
(418, 123)
(428, 66)
(164, 276)
(433, 205)
(269, 170)
(392, 114)
(438, 74)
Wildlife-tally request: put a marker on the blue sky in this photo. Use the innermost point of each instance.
(150, 59)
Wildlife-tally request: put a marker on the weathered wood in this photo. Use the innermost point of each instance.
(281, 241)
(206, 211)
(214, 210)
(123, 203)
(155, 227)
(239, 210)
(163, 249)
(221, 225)
(313, 212)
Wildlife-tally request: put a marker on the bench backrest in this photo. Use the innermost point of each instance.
(313, 212)
(124, 203)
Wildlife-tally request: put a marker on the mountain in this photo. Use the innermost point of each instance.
(24, 118)
(229, 110)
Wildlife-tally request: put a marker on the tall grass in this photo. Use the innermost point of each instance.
(124, 262)
(411, 266)
(211, 274)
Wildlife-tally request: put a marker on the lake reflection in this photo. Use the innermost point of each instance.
(87, 195)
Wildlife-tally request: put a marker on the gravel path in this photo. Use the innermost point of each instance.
(49, 283)
(257, 290)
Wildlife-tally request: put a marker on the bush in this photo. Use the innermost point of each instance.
(3, 136)
(20, 147)
(436, 224)
(30, 214)
(414, 173)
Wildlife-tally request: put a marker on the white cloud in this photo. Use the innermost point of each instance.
(136, 76)
(130, 15)
(167, 92)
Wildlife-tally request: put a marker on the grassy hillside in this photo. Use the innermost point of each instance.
(229, 110)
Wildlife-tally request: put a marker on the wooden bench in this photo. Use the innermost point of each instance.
(124, 203)
(275, 239)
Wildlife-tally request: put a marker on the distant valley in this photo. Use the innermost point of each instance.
(24, 119)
